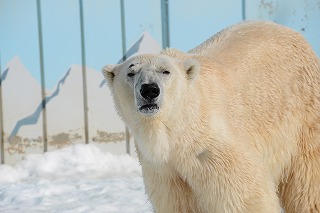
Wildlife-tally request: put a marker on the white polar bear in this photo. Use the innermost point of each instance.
(231, 126)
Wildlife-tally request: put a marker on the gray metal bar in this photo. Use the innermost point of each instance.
(84, 75)
(244, 10)
(124, 57)
(123, 31)
(165, 23)
(127, 141)
(43, 86)
(1, 119)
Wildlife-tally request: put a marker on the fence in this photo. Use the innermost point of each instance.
(44, 98)
(181, 21)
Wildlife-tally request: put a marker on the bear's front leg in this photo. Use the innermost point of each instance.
(227, 178)
(166, 190)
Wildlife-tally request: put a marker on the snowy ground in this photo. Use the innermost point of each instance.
(79, 178)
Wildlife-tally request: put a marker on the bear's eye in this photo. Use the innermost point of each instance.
(130, 74)
(166, 72)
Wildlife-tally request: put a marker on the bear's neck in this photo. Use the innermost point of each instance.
(156, 139)
(153, 142)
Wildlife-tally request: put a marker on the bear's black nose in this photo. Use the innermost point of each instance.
(150, 91)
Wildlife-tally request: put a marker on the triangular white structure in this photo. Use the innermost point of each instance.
(21, 95)
(144, 45)
(65, 110)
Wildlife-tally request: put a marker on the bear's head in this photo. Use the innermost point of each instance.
(150, 86)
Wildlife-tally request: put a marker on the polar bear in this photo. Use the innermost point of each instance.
(233, 125)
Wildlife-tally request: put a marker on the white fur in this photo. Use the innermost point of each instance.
(238, 125)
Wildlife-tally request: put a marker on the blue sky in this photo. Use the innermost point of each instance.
(191, 22)
(61, 30)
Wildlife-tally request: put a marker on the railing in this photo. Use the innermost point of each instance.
(1, 119)
(165, 34)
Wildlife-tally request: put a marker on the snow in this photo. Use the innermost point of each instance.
(78, 178)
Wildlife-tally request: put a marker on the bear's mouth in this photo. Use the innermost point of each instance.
(149, 109)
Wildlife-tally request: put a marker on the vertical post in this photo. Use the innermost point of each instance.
(84, 75)
(243, 10)
(165, 23)
(1, 119)
(123, 31)
(124, 57)
(43, 87)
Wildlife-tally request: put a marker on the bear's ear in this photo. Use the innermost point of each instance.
(192, 68)
(108, 73)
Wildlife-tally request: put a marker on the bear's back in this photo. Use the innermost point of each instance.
(272, 78)
(248, 34)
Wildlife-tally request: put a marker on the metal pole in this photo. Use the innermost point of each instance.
(1, 119)
(243, 10)
(84, 76)
(124, 57)
(165, 23)
(123, 31)
(43, 87)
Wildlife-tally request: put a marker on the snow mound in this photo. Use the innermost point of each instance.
(77, 161)
(77, 179)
